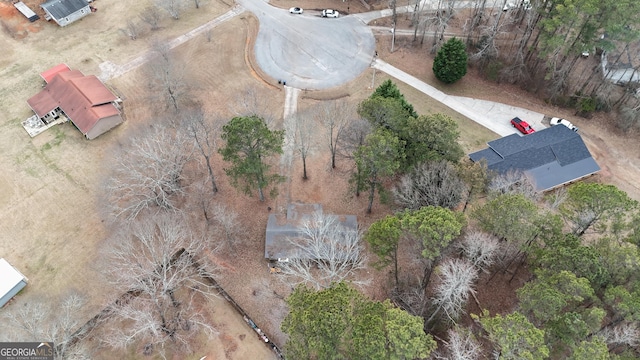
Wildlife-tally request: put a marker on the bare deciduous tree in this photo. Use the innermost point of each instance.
(327, 252)
(486, 47)
(335, 116)
(148, 171)
(626, 333)
(476, 177)
(430, 183)
(53, 321)
(352, 138)
(132, 31)
(556, 198)
(513, 182)
(204, 135)
(304, 143)
(167, 78)
(226, 222)
(413, 299)
(440, 21)
(173, 7)
(461, 345)
(252, 103)
(151, 16)
(480, 248)
(629, 118)
(456, 280)
(153, 259)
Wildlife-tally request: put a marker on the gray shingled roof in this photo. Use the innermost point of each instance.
(282, 230)
(62, 8)
(550, 157)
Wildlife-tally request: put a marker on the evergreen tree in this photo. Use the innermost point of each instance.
(249, 143)
(341, 323)
(450, 64)
(389, 90)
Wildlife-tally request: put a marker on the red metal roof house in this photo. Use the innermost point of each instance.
(49, 74)
(84, 100)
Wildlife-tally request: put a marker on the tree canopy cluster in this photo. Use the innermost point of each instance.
(401, 140)
(544, 45)
(341, 323)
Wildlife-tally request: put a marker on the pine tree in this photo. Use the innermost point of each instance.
(450, 64)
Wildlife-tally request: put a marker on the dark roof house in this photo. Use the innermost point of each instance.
(84, 100)
(549, 158)
(282, 231)
(64, 12)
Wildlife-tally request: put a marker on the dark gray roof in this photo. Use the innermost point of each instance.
(552, 175)
(62, 8)
(282, 230)
(488, 154)
(550, 157)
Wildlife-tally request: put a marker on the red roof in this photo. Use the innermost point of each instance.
(84, 99)
(49, 74)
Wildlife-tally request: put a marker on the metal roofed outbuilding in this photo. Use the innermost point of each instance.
(64, 12)
(11, 282)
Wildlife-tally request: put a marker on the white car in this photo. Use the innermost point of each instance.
(328, 13)
(526, 4)
(296, 10)
(567, 123)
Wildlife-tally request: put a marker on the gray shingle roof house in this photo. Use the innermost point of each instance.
(281, 229)
(64, 12)
(550, 157)
(11, 282)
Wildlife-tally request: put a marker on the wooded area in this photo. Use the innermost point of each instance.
(541, 46)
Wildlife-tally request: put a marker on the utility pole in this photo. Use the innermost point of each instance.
(395, 19)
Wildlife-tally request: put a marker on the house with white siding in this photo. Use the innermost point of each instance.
(64, 12)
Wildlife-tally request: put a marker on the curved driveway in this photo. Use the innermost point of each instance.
(308, 51)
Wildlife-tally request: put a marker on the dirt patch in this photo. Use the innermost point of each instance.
(14, 24)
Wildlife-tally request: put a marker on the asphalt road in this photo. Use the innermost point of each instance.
(308, 51)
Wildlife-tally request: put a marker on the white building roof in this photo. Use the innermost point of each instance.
(9, 277)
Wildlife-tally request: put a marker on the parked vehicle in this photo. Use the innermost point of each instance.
(567, 123)
(328, 13)
(522, 125)
(526, 4)
(296, 10)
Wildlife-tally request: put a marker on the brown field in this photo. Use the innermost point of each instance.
(52, 227)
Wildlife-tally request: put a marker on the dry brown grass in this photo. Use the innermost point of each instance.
(51, 227)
